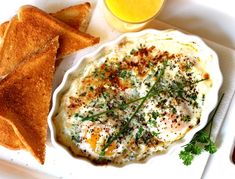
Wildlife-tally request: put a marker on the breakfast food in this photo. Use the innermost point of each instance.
(26, 42)
(133, 99)
(25, 99)
(76, 16)
(8, 137)
(33, 28)
(3, 28)
(80, 14)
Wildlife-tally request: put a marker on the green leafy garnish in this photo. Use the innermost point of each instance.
(76, 138)
(187, 157)
(139, 133)
(176, 88)
(123, 74)
(186, 118)
(210, 147)
(201, 141)
(133, 51)
(155, 115)
(155, 133)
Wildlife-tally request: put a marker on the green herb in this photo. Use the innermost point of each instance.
(102, 75)
(92, 118)
(203, 98)
(201, 141)
(95, 72)
(150, 64)
(210, 147)
(106, 67)
(125, 127)
(193, 97)
(91, 112)
(123, 74)
(188, 65)
(77, 115)
(133, 51)
(155, 115)
(168, 38)
(105, 95)
(187, 157)
(121, 106)
(111, 113)
(174, 111)
(186, 118)
(76, 138)
(177, 87)
(155, 133)
(198, 81)
(202, 137)
(139, 133)
(194, 149)
(152, 122)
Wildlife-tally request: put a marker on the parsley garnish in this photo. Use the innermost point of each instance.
(187, 157)
(155, 133)
(76, 138)
(178, 89)
(133, 51)
(186, 118)
(139, 133)
(155, 115)
(102, 75)
(201, 141)
(123, 74)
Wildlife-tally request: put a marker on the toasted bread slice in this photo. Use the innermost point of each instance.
(25, 96)
(8, 137)
(3, 28)
(33, 28)
(76, 16)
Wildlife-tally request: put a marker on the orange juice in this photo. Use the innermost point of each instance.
(130, 15)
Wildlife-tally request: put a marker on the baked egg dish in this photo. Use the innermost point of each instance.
(133, 100)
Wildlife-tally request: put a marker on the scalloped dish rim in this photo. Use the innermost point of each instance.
(209, 106)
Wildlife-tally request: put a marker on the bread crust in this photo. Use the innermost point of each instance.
(25, 96)
(76, 16)
(31, 29)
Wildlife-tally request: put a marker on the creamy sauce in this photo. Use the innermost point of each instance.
(134, 100)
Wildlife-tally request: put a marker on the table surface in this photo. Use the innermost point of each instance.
(213, 20)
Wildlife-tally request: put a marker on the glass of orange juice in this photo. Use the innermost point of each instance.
(131, 15)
